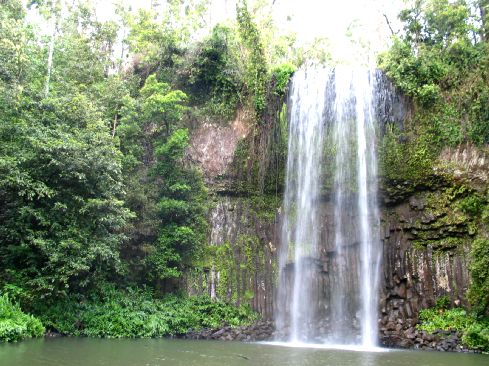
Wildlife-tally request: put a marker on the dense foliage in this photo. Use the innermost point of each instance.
(96, 188)
(79, 142)
(441, 60)
(15, 324)
(256, 70)
(61, 181)
(111, 313)
(474, 329)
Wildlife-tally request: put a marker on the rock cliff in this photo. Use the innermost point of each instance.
(426, 231)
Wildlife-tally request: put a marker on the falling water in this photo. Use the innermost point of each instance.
(328, 290)
(300, 227)
(356, 213)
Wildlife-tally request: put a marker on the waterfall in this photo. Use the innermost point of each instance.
(330, 253)
(356, 213)
(300, 226)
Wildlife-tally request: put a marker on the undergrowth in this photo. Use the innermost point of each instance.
(136, 314)
(15, 324)
(474, 329)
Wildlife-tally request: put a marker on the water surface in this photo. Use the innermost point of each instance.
(156, 352)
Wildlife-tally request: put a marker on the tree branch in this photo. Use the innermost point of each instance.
(389, 25)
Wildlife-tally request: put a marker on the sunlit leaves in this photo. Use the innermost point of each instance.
(161, 105)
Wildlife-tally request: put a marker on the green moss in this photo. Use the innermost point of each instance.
(440, 245)
(451, 218)
(265, 206)
(237, 262)
(406, 162)
(472, 205)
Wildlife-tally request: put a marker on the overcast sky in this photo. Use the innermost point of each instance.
(307, 18)
(310, 18)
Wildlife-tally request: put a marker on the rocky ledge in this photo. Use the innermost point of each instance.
(260, 331)
(440, 340)
(410, 338)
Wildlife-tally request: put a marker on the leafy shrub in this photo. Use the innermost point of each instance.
(136, 314)
(476, 336)
(214, 75)
(442, 303)
(479, 270)
(475, 330)
(282, 74)
(15, 324)
(434, 319)
(429, 94)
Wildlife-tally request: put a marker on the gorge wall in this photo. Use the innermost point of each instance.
(426, 232)
(240, 263)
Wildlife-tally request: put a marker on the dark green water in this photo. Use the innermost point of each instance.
(155, 352)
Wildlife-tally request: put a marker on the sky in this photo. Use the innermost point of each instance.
(333, 18)
(308, 19)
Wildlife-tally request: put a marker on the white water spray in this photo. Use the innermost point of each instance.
(333, 107)
(300, 227)
(356, 212)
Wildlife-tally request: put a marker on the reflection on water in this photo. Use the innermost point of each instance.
(163, 352)
(342, 347)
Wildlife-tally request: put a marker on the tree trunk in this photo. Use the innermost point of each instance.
(114, 126)
(484, 9)
(50, 57)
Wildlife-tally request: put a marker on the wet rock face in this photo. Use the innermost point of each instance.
(212, 148)
(241, 268)
(413, 275)
(425, 257)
